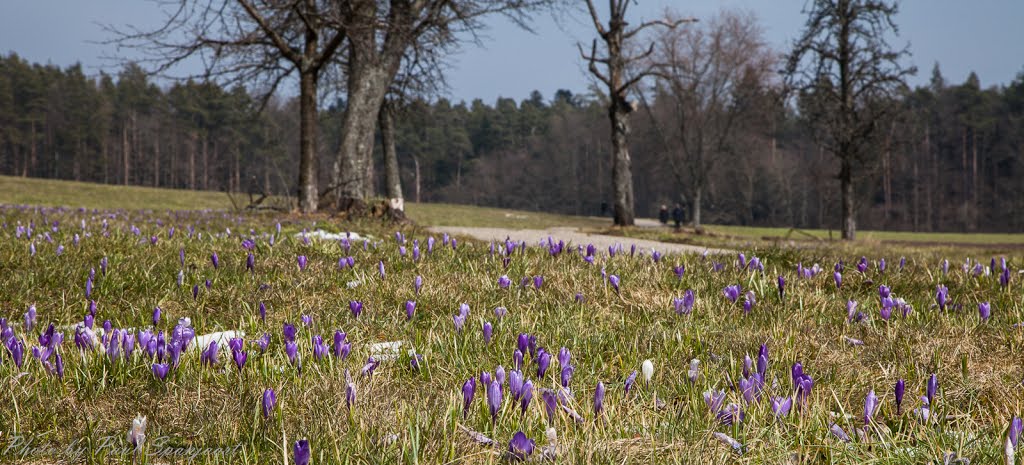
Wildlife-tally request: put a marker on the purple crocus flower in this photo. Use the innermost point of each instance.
(714, 400)
(303, 261)
(380, 269)
(240, 357)
(300, 452)
(319, 348)
(526, 396)
(291, 349)
(782, 287)
(215, 260)
(886, 311)
(356, 307)
(838, 277)
(263, 311)
(781, 406)
(289, 332)
(732, 292)
(945, 267)
(515, 384)
(538, 281)
(550, 403)
(851, 311)
(941, 296)
(88, 287)
(468, 390)
(307, 320)
(339, 341)
(599, 398)
(209, 356)
(494, 399)
(350, 395)
(1016, 426)
(263, 342)
(488, 331)
(499, 312)
(870, 405)
(269, 399)
(30, 318)
(459, 321)
(504, 282)
(679, 270)
(564, 357)
(884, 291)
(984, 310)
(103, 265)
(630, 380)
(543, 361)
(195, 291)
(160, 370)
(520, 448)
(614, 281)
(369, 367)
(838, 432)
(517, 359)
(566, 375)
(684, 305)
(417, 284)
(862, 265)
(932, 388)
(900, 390)
(410, 309)
(881, 265)
(903, 263)
(748, 301)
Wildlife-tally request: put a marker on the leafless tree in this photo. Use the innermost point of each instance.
(846, 72)
(257, 43)
(617, 59)
(710, 76)
(380, 33)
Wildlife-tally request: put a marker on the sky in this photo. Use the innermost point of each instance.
(983, 36)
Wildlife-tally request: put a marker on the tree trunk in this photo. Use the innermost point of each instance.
(156, 161)
(206, 162)
(622, 175)
(366, 88)
(698, 194)
(309, 163)
(846, 187)
(416, 166)
(192, 161)
(392, 178)
(125, 153)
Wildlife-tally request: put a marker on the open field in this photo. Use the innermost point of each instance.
(98, 276)
(29, 191)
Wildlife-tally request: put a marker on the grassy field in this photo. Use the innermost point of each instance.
(27, 191)
(402, 412)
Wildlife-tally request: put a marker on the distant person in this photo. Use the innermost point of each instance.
(677, 215)
(663, 215)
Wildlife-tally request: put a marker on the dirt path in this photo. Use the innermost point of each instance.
(572, 236)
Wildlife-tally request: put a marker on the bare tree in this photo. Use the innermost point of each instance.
(845, 69)
(380, 33)
(709, 76)
(617, 59)
(257, 43)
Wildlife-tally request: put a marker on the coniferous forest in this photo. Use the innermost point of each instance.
(951, 159)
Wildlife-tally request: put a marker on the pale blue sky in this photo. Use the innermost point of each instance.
(980, 35)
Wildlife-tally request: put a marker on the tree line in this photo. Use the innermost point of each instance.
(711, 122)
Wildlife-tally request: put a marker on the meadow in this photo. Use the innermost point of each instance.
(400, 346)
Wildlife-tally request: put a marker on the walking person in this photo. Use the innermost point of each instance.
(677, 215)
(663, 215)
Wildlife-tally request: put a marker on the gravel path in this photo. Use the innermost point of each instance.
(571, 236)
